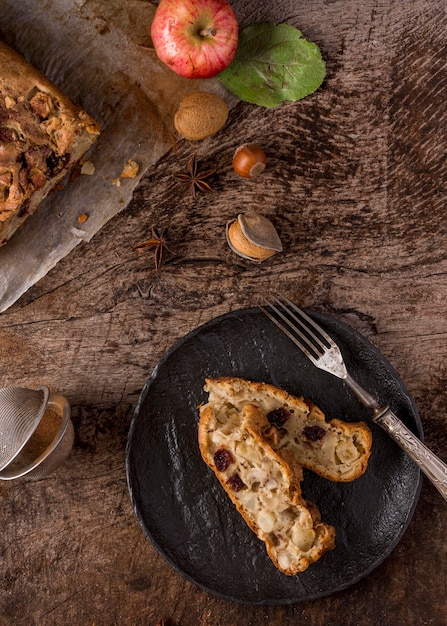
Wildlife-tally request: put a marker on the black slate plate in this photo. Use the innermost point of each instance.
(183, 509)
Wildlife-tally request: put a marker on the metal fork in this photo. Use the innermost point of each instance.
(326, 355)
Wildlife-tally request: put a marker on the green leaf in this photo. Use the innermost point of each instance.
(273, 64)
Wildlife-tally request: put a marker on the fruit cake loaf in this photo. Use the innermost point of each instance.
(335, 449)
(264, 485)
(42, 135)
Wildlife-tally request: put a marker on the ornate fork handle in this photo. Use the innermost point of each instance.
(429, 463)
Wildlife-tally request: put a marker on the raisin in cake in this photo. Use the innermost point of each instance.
(334, 449)
(264, 485)
(42, 135)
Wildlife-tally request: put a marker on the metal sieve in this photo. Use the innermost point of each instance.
(20, 412)
(48, 442)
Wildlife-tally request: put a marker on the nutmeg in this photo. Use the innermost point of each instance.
(253, 237)
(200, 115)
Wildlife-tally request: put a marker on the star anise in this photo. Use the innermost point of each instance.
(194, 179)
(158, 243)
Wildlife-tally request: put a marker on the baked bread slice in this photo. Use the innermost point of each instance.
(335, 449)
(42, 135)
(264, 485)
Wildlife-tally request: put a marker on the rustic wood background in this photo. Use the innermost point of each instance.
(356, 186)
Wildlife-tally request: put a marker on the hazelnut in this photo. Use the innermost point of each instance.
(200, 115)
(249, 160)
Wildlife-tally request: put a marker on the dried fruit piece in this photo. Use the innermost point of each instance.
(278, 417)
(314, 433)
(223, 459)
(235, 482)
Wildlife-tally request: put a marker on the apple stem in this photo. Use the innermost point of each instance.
(207, 32)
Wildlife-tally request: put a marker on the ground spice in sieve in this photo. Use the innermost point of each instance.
(42, 437)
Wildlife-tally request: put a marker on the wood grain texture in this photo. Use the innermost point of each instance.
(356, 186)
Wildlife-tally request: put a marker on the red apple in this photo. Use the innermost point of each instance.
(195, 38)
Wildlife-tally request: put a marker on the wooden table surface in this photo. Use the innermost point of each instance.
(356, 187)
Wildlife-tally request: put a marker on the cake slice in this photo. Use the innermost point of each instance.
(264, 485)
(335, 449)
(42, 135)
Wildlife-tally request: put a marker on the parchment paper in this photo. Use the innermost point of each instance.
(94, 50)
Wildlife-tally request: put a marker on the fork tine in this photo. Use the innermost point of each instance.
(313, 356)
(312, 344)
(321, 342)
(330, 343)
(302, 336)
(318, 346)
